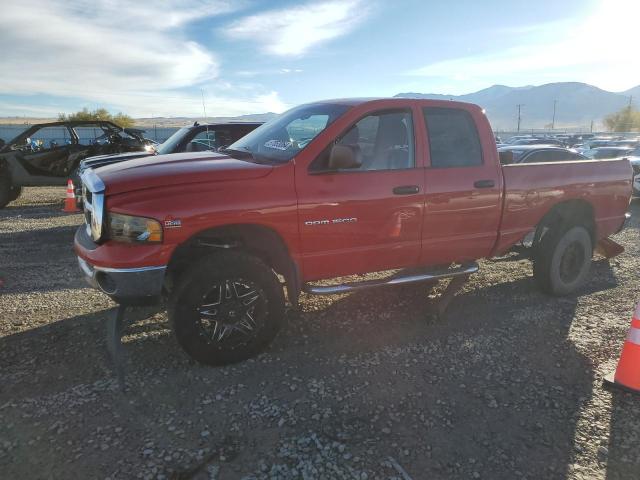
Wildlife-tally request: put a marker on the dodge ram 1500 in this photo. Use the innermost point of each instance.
(331, 189)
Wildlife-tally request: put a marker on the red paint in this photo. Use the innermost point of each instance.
(448, 220)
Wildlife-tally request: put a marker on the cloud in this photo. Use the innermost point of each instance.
(294, 31)
(274, 71)
(82, 46)
(600, 49)
(124, 55)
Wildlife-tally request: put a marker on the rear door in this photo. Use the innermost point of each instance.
(462, 187)
(368, 218)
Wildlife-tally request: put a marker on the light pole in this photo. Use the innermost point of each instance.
(553, 120)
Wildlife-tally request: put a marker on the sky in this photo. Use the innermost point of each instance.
(179, 57)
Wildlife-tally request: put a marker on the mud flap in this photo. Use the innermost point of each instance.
(445, 299)
(608, 248)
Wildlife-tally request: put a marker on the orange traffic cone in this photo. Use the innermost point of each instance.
(627, 375)
(70, 205)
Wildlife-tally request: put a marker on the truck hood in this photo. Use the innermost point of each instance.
(177, 169)
(101, 160)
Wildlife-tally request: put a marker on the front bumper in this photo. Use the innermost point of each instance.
(126, 285)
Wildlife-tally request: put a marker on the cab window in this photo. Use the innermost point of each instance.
(453, 138)
(382, 141)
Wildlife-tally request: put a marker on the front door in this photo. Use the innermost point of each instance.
(367, 218)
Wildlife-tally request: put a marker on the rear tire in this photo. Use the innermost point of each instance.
(563, 259)
(5, 191)
(226, 308)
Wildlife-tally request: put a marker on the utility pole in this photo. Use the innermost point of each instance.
(553, 120)
(630, 100)
(519, 105)
(591, 126)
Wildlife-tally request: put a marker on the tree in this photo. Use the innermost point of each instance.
(625, 120)
(84, 115)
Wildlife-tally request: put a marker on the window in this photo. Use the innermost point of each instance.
(48, 138)
(302, 130)
(280, 139)
(453, 138)
(207, 140)
(89, 134)
(384, 141)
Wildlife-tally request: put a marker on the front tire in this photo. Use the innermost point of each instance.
(563, 259)
(226, 308)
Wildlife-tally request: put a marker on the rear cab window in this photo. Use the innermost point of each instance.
(453, 138)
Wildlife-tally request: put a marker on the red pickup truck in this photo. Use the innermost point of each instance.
(331, 189)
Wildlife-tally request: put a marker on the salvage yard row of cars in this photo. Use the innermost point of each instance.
(556, 148)
(51, 153)
(332, 189)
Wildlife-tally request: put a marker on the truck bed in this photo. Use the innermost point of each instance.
(531, 190)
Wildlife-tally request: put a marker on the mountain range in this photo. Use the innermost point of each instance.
(577, 104)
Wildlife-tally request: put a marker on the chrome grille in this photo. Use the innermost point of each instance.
(93, 202)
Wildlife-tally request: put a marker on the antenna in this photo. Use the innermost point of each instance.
(205, 115)
(203, 107)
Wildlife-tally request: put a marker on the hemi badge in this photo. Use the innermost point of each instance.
(177, 223)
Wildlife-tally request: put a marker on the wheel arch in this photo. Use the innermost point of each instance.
(258, 240)
(568, 212)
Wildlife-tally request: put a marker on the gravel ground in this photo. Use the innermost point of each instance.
(358, 386)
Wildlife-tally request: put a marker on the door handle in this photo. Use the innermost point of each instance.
(406, 190)
(484, 184)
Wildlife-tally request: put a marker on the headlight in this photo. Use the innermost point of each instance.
(125, 228)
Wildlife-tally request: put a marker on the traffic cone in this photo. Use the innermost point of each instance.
(627, 375)
(70, 205)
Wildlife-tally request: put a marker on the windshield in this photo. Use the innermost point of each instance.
(280, 139)
(170, 144)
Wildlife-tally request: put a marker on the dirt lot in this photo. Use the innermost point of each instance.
(364, 386)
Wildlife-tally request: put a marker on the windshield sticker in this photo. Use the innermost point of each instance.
(278, 144)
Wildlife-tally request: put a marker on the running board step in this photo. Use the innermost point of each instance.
(398, 279)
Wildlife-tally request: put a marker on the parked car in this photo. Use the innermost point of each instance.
(326, 190)
(634, 159)
(193, 138)
(601, 153)
(541, 153)
(537, 141)
(47, 153)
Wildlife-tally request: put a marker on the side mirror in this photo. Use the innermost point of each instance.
(506, 157)
(344, 157)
